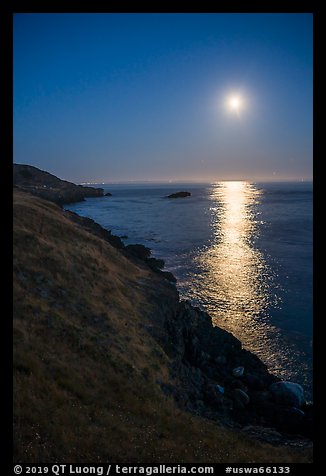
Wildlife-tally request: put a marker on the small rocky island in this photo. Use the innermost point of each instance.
(179, 195)
(45, 185)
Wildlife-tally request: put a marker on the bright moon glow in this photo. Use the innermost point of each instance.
(235, 103)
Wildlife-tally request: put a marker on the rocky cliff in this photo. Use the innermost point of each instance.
(38, 182)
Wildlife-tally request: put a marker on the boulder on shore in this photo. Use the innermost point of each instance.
(241, 397)
(238, 371)
(179, 195)
(288, 393)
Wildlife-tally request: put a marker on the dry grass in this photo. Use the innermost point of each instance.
(85, 368)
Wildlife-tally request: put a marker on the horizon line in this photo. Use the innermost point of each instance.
(176, 182)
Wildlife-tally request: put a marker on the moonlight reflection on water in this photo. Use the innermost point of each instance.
(235, 272)
(236, 283)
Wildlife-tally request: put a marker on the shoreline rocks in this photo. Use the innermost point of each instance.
(143, 253)
(206, 362)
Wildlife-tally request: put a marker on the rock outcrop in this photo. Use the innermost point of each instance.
(143, 253)
(96, 229)
(179, 195)
(219, 379)
(45, 185)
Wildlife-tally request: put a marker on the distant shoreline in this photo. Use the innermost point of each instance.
(186, 182)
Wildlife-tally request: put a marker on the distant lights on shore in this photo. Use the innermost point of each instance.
(92, 183)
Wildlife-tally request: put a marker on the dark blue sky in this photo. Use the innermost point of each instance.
(109, 97)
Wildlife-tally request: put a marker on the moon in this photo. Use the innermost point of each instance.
(235, 103)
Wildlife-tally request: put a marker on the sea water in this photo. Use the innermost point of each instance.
(240, 250)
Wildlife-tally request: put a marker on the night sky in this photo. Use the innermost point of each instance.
(119, 97)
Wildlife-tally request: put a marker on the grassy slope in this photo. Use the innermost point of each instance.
(85, 367)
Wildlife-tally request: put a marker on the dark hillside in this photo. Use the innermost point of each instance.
(45, 185)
